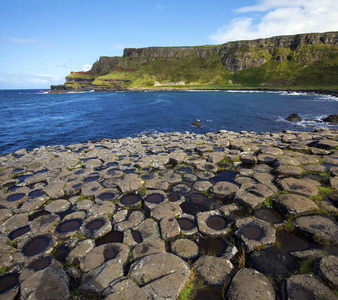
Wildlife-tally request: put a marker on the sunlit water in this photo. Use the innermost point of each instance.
(32, 118)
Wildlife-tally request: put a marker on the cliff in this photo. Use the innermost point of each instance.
(304, 60)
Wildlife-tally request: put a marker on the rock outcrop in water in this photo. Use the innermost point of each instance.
(254, 215)
(304, 59)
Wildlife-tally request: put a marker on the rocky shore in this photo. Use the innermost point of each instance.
(227, 215)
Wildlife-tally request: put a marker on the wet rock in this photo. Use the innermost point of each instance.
(212, 223)
(169, 228)
(90, 189)
(272, 262)
(37, 264)
(293, 118)
(44, 223)
(54, 190)
(184, 248)
(80, 251)
(298, 186)
(68, 227)
(162, 275)
(14, 222)
(263, 190)
(196, 124)
(154, 198)
(150, 246)
(187, 224)
(48, 283)
(135, 218)
(256, 286)
(214, 270)
(156, 184)
(57, 206)
(328, 267)
(172, 178)
(101, 254)
(202, 186)
(294, 204)
(246, 199)
(224, 189)
(95, 227)
(125, 288)
(97, 280)
(331, 119)
(102, 208)
(254, 233)
(306, 286)
(181, 188)
(148, 229)
(168, 209)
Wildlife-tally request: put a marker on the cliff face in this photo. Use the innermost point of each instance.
(241, 55)
(295, 59)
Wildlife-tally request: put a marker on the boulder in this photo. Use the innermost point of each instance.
(294, 204)
(293, 118)
(196, 124)
(328, 267)
(331, 119)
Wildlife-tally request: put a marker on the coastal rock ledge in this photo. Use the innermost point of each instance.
(231, 215)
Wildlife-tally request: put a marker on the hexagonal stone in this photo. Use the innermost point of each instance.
(202, 186)
(57, 206)
(168, 209)
(263, 177)
(54, 190)
(95, 227)
(14, 222)
(80, 251)
(103, 253)
(293, 204)
(212, 223)
(272, 262)
(250, 284)
(187, 224)
(271, 151)
(150, 246)
(68, 227)
(263, 190)
(156, 184)
(328, 267)
(90, 189)
(102, 208)
(49, 281)
(154, 198)
(289, 170)
(97, 280)
(305, 286)
(44, 223)
(254, 233)
(320, 226)
(162, 275)
(169, 228)
(246, 199)
(148, 229)
(224, 189)
(135, 218)
(184, 248)
(214, 270)
(125, 288)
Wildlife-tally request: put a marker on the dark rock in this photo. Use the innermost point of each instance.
(272, 262)
(293, 118)
(331, 119)
(196, 124)
(250, 284)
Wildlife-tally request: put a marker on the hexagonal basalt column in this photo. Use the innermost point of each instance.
(212, 223)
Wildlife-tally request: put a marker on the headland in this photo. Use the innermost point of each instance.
(294, 62)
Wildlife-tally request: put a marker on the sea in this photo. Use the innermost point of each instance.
(34, 118)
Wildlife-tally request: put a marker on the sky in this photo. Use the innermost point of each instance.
(41, 41)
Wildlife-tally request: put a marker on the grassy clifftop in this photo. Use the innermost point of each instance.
(299, 61)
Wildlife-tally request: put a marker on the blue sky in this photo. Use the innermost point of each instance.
(41, 41)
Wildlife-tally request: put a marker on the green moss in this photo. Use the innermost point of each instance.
(3, 270)
(306, 267)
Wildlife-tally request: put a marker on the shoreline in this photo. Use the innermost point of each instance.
(320, 91)
(179, 203)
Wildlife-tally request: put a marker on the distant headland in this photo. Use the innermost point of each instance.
(290, 62)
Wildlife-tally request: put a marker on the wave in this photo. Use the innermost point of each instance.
(306, 122)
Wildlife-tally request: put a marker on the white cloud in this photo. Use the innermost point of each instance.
(18, 80)
(86, 68)
(280, 17)
(24, 42)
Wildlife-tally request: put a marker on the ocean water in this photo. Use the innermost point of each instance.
(32, 118)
